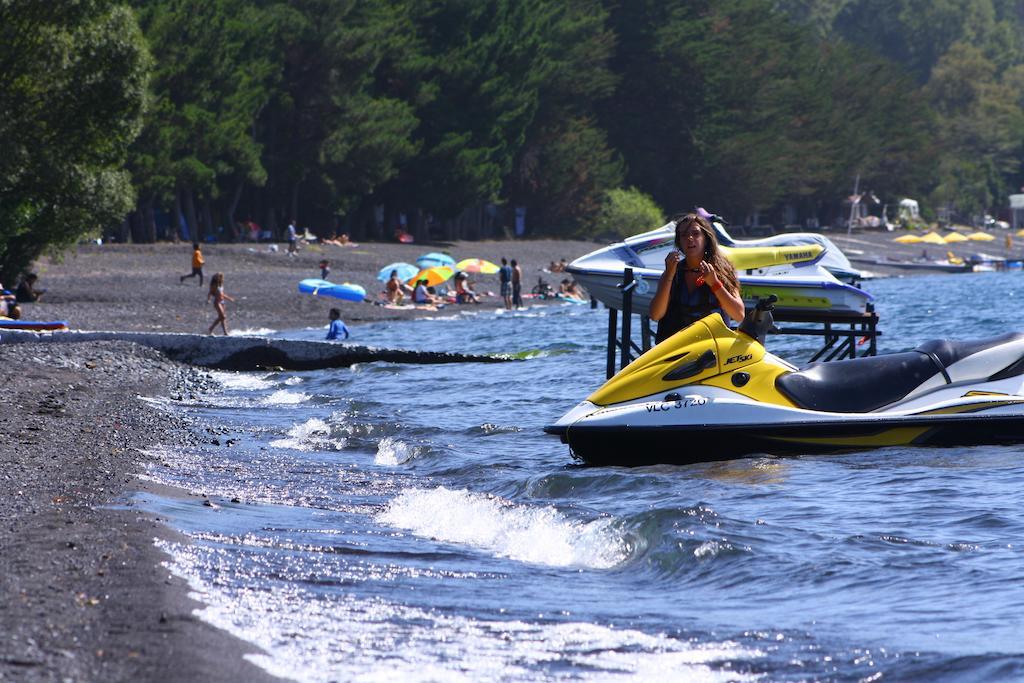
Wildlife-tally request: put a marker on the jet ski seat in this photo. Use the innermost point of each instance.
(861, 385)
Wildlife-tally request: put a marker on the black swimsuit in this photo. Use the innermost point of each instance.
(686, 307)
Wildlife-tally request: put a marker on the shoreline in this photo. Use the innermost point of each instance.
(85, 591)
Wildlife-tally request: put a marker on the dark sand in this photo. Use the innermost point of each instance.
(136, 287)
(83, 595)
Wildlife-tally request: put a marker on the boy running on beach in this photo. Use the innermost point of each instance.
(197, 265)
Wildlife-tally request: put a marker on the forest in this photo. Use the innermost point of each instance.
(160, 119)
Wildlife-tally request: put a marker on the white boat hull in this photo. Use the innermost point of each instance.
(808, 287)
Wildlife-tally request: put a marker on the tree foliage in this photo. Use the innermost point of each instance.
(72, 92)
(624, 212)
(344, 113)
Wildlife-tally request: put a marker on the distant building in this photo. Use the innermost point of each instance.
(1017, 210)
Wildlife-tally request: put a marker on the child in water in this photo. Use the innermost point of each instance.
(218, 295)
(338, 329)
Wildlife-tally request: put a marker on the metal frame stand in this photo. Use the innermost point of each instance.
(840, 332)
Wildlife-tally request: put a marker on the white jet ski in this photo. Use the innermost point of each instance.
(797, 268)
(711, 393)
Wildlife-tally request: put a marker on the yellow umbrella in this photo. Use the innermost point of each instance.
(954, 237)
(907, 239)
(477, 265)
(1020, 233)
(434, 276)
(933, 238)
(980, 236)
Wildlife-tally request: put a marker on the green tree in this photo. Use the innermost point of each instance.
(624, 212)
(213, 77)
(72, 92)
(483, 71)
(982, 126)
(566, 165)
(345, 120)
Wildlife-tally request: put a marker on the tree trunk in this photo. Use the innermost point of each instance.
(148, 221)
(211, 227)
(190, 216)
(272, 224)
(294, 209)
(124, 230)
(232, 207)
(176, 218)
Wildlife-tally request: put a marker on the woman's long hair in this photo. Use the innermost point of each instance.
(216, 282)
(712, 254)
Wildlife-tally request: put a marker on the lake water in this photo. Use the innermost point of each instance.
(413, 522)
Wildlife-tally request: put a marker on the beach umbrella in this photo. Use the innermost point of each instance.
(933, 238)
(405, 271)
(980, 236)
(477, 265)
(434, 276)
(435, 258)
(907, 239)
(954, 237)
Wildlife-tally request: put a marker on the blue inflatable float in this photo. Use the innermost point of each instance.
(346, 291)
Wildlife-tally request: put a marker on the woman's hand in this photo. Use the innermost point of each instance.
(672, 261)
(708, 274)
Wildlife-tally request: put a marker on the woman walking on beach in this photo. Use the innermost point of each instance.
(218, 295)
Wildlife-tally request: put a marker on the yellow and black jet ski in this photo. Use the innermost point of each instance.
(711, 393)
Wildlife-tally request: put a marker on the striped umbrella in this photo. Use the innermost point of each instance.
(434, 276)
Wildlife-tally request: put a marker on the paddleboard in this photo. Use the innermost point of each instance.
(33, 325)
(346, 291)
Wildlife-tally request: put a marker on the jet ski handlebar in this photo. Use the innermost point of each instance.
(759, 320)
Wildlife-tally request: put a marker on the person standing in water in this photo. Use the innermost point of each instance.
(505, 277)
(517, 285)
(337, 329)
(217, 294)
(197, 265)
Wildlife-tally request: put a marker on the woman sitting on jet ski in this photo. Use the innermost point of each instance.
(706, 282)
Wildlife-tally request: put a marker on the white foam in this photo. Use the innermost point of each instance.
(243, 381)
(391, 452)
(312, 636)
(313, 434)
(252, 332)
(283, 397)
(528, 534)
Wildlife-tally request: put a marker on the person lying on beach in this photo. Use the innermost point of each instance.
(340, 241)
